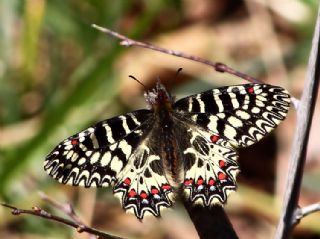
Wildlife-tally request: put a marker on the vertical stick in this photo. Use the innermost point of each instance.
(304, 119)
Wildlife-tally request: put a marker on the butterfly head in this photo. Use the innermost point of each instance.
(158, 98)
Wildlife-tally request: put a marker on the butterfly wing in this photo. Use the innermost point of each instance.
(210, 168)
(219, 121)
(115, 151)
(124, 151)
(241, 114)
(142, 185)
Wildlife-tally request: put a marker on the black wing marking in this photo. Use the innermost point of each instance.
(242, 114)
(142, 186)
(96, 155)
(210, 166)
(116, 151)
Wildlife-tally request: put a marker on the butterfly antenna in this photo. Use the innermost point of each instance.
(144, 87)
(177, 73)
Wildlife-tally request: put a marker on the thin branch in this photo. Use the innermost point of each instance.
(37, 211)
(295, 102)
(304, 119)
(220, 67)
(64, 207)
(305, 211)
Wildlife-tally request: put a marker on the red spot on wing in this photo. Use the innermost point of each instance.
(222, 163)
(74, 141)
(143, 195)
(188, 182)
(250, 90)
(214, 138)
(200, 181)
(222, 176)
(211, 182)
(132, 193)
(154, 191)
(166, 187)
(127, 181)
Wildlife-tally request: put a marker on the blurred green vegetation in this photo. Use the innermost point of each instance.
(58, 75)
(62, 65)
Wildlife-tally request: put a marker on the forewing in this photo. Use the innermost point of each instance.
(241, 114)
(95, 156)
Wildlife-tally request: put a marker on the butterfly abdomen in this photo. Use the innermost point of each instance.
(168, 142)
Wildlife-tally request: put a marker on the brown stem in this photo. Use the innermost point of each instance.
(37, 211)
(304, 119)
(64, 207)
(305, 211)
(220, 67)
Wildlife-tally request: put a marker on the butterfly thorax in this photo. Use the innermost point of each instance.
(159, 98)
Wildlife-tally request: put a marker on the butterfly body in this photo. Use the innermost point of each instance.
(163, 128)
(190, 144)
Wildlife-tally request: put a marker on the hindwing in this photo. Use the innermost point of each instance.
(142, 185)
(209, 164)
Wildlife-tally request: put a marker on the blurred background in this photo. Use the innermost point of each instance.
(58, 76)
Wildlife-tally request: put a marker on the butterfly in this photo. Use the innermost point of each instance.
(189, 146)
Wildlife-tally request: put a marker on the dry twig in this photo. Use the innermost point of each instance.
(305, 211)
(304, 119)
(64, 207)
(220, 67)
(75, 222)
